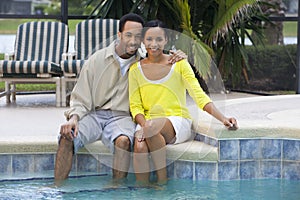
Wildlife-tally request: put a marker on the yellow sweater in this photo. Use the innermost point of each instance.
(165, 97)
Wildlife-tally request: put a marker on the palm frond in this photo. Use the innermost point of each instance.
(114, 9)
(199, 53)
(229, 13)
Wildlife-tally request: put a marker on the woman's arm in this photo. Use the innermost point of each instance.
(230, 123)
(140, 119)
(202, 99)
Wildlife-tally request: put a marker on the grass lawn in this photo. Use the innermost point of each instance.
(31, 87)
(10, 26)
(290, 29)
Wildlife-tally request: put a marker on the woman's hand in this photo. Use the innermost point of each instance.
(230, 123)
(140, 135)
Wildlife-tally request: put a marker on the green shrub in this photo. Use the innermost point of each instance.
(271, 68)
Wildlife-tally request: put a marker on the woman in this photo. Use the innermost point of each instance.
(157, 94)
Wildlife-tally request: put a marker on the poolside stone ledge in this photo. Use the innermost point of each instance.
(267, 144)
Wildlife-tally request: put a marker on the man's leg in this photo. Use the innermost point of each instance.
(64, 158)
(121, 157)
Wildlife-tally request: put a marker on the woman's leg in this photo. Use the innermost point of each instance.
(157, 147)
(159, 133)
(141, 161)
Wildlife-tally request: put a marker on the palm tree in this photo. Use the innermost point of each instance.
(216, 28)
(114, 9)
(226, 25)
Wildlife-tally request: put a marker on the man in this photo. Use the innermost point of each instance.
(99, 106)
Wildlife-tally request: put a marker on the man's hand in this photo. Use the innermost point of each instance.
(69, 130)
(176, 55)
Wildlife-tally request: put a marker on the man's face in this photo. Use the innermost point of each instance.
(130, 39)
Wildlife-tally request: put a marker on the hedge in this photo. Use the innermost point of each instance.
(270, 68)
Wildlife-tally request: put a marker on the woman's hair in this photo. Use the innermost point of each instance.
(153, 24)
(130, 17)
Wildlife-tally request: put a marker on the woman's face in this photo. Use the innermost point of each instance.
(155, 40)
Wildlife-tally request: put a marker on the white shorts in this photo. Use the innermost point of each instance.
(182, 127)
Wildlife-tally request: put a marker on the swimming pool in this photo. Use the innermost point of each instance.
(263, 154)
(95, 187)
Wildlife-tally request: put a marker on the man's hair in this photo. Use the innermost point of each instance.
(130, 17)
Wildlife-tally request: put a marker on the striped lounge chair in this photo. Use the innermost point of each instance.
(36, 58)
(91, 35)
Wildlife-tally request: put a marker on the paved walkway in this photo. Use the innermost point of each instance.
(34, 118)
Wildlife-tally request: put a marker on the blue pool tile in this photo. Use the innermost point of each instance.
(211, 141)
(23, 163)
(207, 140)
(199, 137)
(43, 162)
(291, 150)
(206, 171)
(86, 163)
(228, 170)
(5, 164)
(104, 169)
(214, 142)
(250, 149)
(170, 170)
(270, 169)
(249, 169)
(184, 169)
(229, 150)
(105, 164)
(271, 148)
(291, 170)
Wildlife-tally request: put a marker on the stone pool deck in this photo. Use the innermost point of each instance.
(266, 145)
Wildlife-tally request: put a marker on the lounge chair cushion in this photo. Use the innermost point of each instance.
(72, 66)
(29, 67)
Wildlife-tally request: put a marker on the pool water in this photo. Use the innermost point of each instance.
(96, 187)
